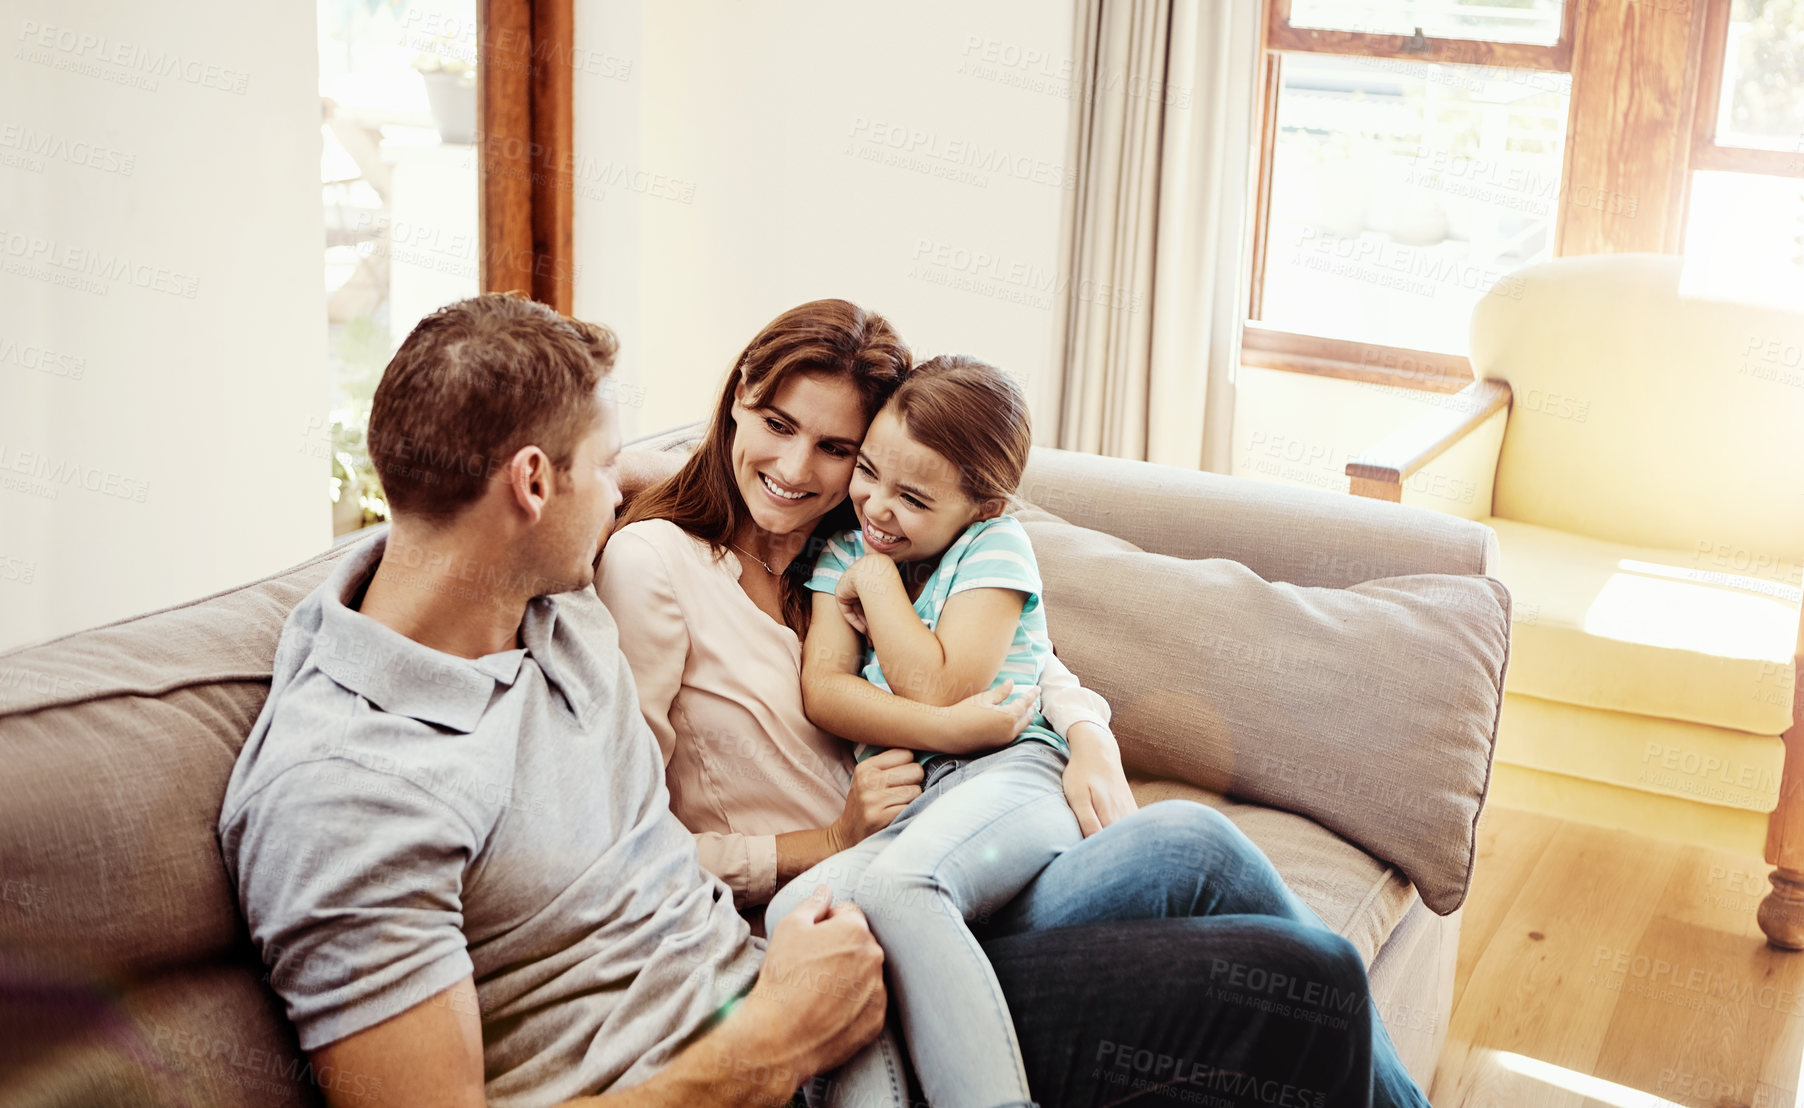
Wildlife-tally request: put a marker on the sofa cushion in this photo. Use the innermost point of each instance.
(1371, 709)
(1358, 896)
(117, 744)
(1672, 757)
(1664, 633)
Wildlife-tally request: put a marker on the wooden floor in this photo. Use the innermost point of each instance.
(1598, 967)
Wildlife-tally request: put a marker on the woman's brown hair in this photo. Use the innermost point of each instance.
(830, 338)
(973, 415)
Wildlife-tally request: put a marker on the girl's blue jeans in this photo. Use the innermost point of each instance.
(1157, 939)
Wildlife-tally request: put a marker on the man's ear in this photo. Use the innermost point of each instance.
(529, 480)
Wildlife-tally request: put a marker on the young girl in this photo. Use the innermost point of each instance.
(944, 588)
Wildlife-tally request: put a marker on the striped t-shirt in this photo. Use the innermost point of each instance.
(991, 554)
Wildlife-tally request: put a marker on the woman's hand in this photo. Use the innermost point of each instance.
(882, 785)
(984, 722)
(1095, 786)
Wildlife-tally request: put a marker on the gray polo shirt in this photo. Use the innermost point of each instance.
(400, 818)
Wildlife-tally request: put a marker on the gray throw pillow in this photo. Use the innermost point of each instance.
(1371, 709)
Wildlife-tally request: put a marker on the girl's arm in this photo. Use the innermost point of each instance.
(840, 700)
(940, 667)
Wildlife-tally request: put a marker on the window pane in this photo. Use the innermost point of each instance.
(1402, 191)
(1762, 105)
(1533, 21)
(397, 82)
(1744, 238)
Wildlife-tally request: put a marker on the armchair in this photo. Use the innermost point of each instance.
(1642, 448)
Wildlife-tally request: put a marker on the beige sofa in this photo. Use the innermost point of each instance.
(128, 973)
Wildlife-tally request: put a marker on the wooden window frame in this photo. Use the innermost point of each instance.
(1347, 359)
(525, 93)
(1706, 153)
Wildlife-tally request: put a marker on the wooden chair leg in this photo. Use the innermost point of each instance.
(1781, 913)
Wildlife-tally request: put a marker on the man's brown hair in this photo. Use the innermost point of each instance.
(476, 381)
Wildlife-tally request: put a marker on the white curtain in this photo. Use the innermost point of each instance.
(1156, 229)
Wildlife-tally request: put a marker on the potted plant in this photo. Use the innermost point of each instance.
(450, 89)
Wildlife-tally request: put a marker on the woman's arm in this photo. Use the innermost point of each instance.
(840, 700)
(1095, 785)
(637, 588)
(941, 667)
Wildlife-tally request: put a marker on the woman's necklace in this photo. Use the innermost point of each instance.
(755, 558)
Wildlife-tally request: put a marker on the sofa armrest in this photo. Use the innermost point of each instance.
(1380, 472)
(1281, 532)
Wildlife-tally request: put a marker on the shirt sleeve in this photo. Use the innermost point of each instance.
(351, 881)
(747, 863)
(635, 585)
(1066, 703)
(841, 551)
(999, 557)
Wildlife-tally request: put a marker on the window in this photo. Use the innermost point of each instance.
(399, 184)
(1411, 156)
(1744, 225)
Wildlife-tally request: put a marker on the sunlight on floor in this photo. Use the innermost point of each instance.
(1606, 1092)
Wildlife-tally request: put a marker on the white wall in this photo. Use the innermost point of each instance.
(162, 340)
(734, 160)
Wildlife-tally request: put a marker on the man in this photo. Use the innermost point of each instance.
(451, 839)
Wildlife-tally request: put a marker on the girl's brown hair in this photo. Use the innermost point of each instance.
(829, 338)
(973, 415)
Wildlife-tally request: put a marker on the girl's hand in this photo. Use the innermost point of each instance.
(882, 785)
(1095, 786)
(851, 581)
(987, 723)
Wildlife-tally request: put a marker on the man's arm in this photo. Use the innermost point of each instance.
(819, 998)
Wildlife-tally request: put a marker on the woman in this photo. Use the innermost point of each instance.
(707, 582)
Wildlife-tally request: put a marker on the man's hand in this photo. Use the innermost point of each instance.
(1095, 786)
(882, 786)
(821, 986)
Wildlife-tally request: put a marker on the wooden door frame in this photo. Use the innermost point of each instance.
(525, 147)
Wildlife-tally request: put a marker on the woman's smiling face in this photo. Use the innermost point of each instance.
(793, 454)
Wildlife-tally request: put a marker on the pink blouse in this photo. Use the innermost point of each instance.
(720, 683)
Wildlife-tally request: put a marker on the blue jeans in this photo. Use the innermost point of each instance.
(981, 830)
(1184, 863)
